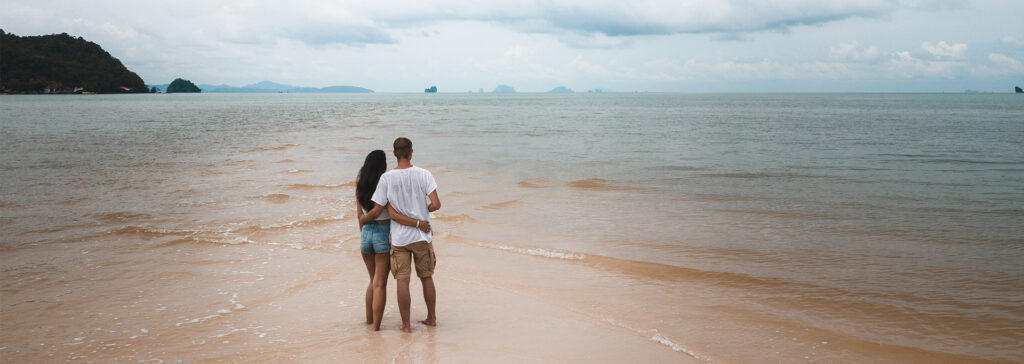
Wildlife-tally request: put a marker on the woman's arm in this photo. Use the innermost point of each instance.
(408, 221)
(359, 215)
(370, 215)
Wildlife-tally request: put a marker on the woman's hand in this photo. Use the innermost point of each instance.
(424, 226)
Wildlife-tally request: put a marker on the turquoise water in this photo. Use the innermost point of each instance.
(899, 214)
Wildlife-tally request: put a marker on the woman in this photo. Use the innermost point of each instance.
(375, 228)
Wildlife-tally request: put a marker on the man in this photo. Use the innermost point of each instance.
(404, 190)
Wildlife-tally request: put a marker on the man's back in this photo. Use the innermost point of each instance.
(406, 189)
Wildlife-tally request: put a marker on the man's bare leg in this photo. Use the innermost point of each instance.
(430, 296)
(404, 301)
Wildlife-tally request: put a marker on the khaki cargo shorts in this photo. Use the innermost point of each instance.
(421, 251)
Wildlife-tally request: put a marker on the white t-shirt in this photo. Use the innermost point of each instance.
(383, 214)
(407, 191)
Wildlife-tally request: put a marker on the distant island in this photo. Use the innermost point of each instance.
(561, 90)
(504, 89)
(272, 87)
(1016, 89)
(180, 85)
(431, 90)
(60, 63)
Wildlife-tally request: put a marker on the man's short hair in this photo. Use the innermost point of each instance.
(403, 148)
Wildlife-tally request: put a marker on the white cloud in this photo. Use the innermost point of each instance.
(1012, 42)
(854, 52)
(907, 66)
(945, 50)
(401, 45)
(1006, 62)
(1001, 65)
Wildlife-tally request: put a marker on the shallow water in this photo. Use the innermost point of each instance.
(859, 228)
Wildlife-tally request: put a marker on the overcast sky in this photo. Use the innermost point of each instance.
(637, 45)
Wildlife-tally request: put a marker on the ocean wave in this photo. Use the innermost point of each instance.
(279, 147)
(539, 252)
(277, 198)
(246, 233)
(597, 184)
(756, 175)
(501, 205)
(452, 218)
(534, 183)
(147, 231)
(660, 339)
(118, 216)
(683, 168)
(305, 186)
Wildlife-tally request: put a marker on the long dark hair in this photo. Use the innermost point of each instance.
(366, 182)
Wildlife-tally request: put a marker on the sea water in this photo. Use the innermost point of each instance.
(893, 219)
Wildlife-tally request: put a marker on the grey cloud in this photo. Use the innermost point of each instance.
(330, 35)
(738, 17)
(734, 19)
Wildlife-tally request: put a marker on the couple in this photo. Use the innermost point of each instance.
(393, 206)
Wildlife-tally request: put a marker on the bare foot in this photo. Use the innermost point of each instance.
(406, 329)
(429, 322)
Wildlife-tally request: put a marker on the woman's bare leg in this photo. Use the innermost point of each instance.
(370, 267)
(380, 287)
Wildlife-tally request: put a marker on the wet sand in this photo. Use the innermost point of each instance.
(259, 303)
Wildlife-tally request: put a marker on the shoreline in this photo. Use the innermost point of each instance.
(154, 229)
(303, 305)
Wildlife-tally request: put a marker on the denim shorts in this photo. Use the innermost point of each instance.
(376, 238)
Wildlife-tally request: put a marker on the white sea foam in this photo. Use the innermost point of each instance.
(537, 252)
(234, 301)
(228, 333)
(659, 338)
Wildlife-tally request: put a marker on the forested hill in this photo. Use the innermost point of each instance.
(61, 63)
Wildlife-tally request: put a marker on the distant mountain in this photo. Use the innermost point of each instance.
(272, 87)
(344, 89)
(180, 85)
(561, 90)
(504, 89)
(60, 63)
(268, 85)
(162, 87)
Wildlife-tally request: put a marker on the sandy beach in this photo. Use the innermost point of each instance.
(253, 303)
(222, 228)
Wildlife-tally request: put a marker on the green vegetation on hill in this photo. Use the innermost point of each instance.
(61, 63)
(180, 85)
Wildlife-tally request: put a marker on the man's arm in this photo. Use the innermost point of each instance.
(408, 221)
(435, 202)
